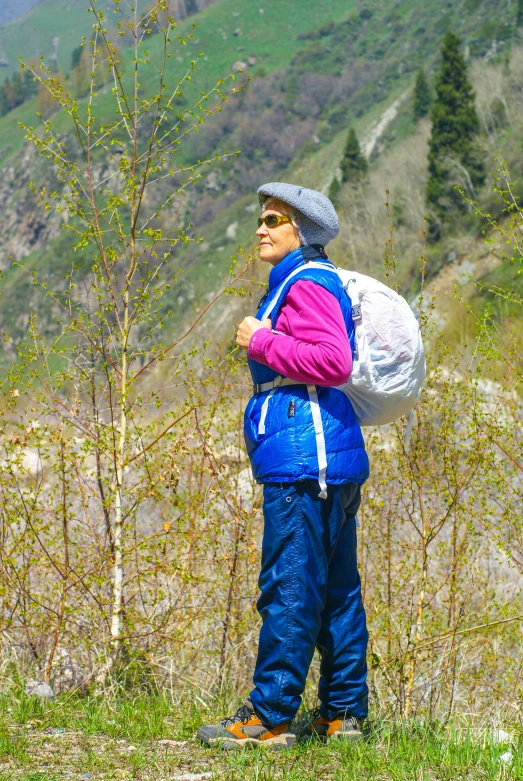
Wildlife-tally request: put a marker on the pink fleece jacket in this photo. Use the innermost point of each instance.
(310, 342)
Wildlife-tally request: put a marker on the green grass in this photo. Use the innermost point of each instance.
(75, 736)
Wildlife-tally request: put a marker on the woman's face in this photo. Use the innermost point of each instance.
(276, 243)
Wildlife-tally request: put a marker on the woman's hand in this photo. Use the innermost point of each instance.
(247, 327)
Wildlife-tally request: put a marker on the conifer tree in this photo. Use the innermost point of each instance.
(17, 90)
(422, 96)
(29, 86)
(453, 156)
(76, 56)
(353, 164)
(4, 105)
(8, 95)
(334, 189)
(519, 16)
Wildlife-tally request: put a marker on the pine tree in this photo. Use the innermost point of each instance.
(519, 16)
(76, 56)
(353, 164)
(334, 189)
(81, 72)
(9, 95)
(29, 85)
(422, 96)
(17, 90)
(4, 105)
(453, 157)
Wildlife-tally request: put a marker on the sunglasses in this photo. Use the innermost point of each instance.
(273, 220)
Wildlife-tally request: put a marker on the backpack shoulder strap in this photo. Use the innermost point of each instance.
(268, 308)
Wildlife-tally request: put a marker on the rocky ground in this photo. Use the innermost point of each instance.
(416, 751)
(56, 752)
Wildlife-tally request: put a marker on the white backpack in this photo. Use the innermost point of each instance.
(389, 361)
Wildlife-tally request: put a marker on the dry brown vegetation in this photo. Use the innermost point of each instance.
(129, 522)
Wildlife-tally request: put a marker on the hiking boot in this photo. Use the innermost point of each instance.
(244, 729)
(340, 726)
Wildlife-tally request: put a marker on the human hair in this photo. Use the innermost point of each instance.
(281, 206)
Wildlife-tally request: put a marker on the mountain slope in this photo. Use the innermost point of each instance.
(317, 67)
(13, 9)
(51, 30)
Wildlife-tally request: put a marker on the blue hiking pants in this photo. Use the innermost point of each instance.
(310, 597)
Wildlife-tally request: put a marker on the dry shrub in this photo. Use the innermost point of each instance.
(440, 549)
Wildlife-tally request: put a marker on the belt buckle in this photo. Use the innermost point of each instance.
(256, 388)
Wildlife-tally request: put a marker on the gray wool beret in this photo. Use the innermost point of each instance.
(317, 218)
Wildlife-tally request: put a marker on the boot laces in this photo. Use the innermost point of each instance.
(243, 714)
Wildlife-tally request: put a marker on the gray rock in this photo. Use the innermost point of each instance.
(464, 272)
(232, 230)
(171, 743)
(211, 183)
(192, 777)
(39, 689)
(501, 736)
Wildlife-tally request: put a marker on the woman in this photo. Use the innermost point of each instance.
(306, 447)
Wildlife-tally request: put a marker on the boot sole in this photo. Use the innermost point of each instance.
(278, 743)
(352, 737)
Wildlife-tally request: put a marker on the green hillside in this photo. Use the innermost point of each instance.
(316, 69)
(13, 9)
(215, 37)
(31, 36)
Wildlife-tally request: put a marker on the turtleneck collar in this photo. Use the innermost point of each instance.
(279, 272)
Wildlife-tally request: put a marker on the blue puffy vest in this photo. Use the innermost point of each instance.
(281, 426)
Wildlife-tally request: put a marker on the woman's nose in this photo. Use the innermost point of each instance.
(262, 231)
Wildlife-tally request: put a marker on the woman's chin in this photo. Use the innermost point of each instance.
(267, 254)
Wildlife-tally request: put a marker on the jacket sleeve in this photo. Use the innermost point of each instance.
(310, 342)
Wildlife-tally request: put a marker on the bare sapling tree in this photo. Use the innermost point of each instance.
(120, 153)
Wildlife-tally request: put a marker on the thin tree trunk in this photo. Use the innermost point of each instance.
(119, 482)
(99, 480)
(65, 581)
(116, 618)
